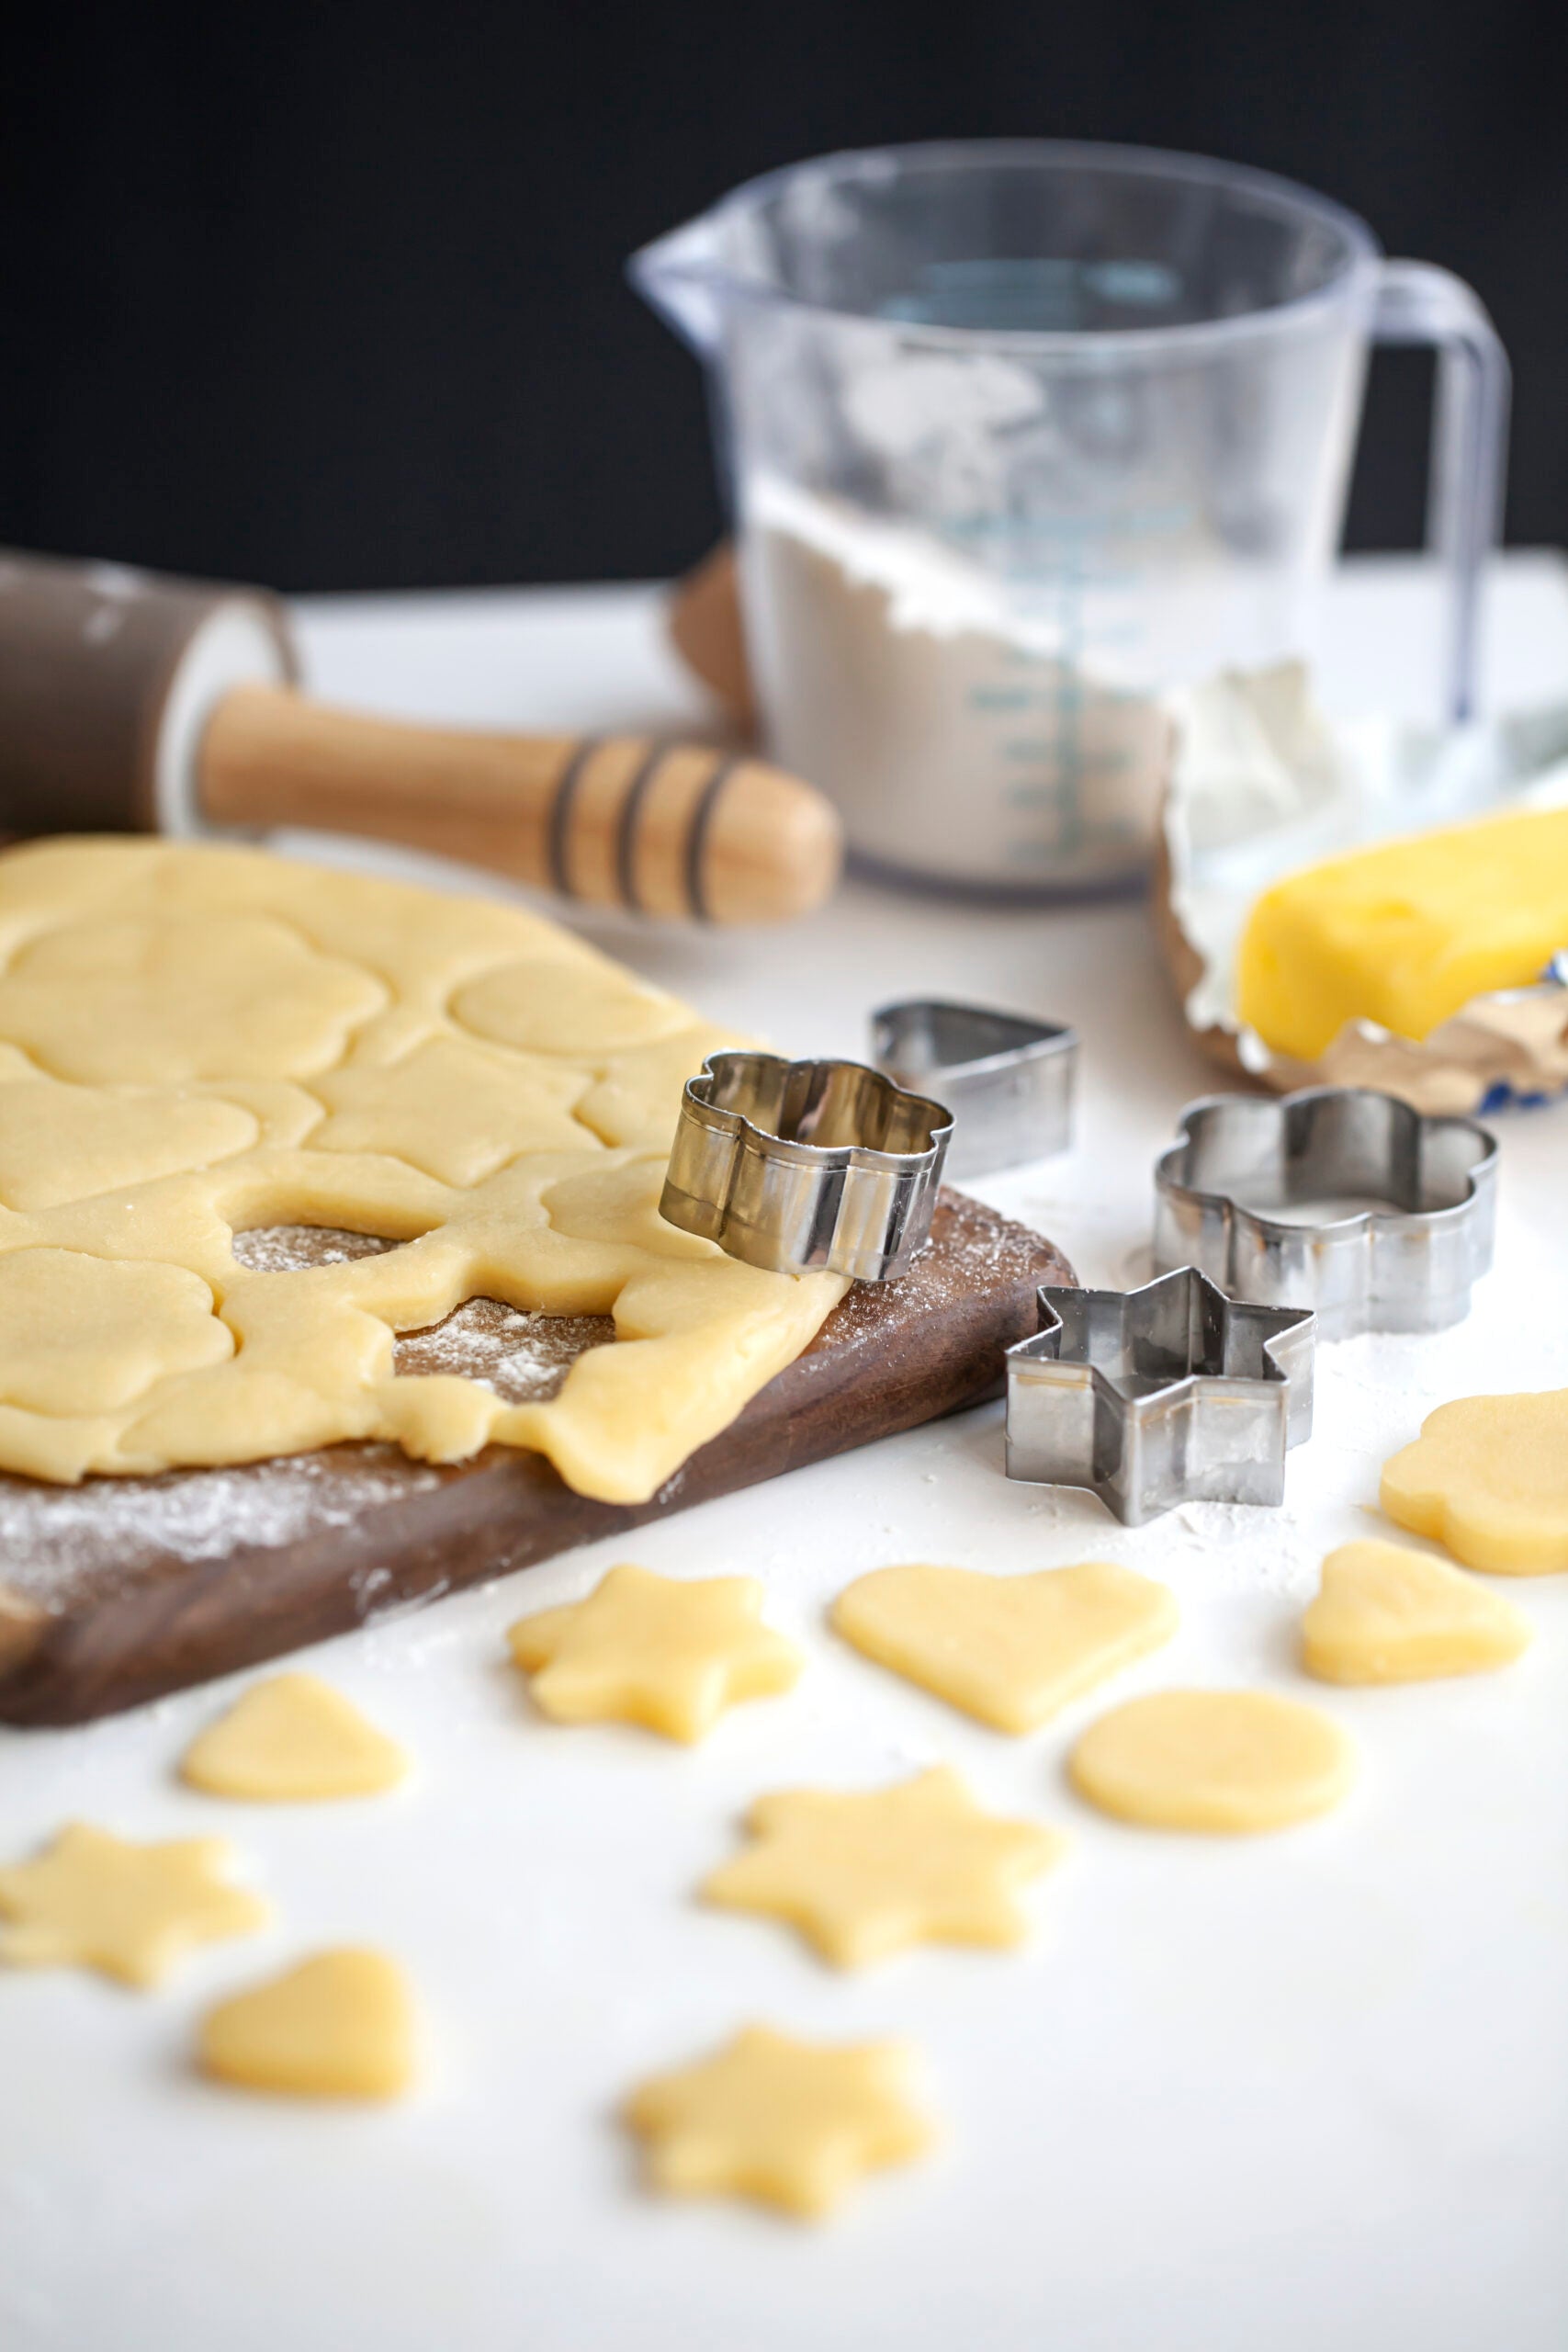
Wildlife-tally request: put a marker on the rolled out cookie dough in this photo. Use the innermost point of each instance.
(1011, 1650)
(338, 2026)
(198, 1040)
(1488, 1477)
(292, 1738)
(1388, 1614)
(1235, 1760)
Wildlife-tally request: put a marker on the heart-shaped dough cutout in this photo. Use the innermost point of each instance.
(1388, 1614)
(292, 1738)
(338, 2026)
(1010, 1650)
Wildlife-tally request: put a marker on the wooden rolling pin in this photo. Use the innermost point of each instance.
(130, 702)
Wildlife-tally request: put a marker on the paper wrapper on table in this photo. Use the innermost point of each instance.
(1260, 786)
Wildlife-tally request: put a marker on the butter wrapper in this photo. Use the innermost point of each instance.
(1262, 784)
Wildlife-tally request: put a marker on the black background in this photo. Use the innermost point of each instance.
(331, 296)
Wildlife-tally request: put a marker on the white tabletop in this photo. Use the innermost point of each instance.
(1278, 2094)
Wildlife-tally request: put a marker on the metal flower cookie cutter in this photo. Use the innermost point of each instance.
(1169, 1393)
(807, 1167)
(1008, 1079)
(1377, 1216)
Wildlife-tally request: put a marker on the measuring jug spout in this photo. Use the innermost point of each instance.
(681, 277)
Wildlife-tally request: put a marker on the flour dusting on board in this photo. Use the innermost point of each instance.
(54, 1539)
(61, 1547)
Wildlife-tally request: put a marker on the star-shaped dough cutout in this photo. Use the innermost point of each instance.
(867, 1873)
(1488, 1477)
(1010, 1650)
(654, 1650)
(1388, 1614)
(790, 2124)
(92, 1900)
(292, 1738)
(338, 2025)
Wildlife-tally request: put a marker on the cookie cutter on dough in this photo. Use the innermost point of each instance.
(1171, 1393)
(1406, 1205)
(807, 1167)
(1008, 1079)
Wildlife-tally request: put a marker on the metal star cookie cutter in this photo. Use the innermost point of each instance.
(807, 1167)
(1008, 1079)
(1378, 1217)
(1169, 1394)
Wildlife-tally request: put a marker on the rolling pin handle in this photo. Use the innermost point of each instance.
(675, 829)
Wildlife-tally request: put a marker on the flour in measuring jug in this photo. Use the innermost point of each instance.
(939, 700)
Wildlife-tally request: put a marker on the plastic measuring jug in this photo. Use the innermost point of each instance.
(1018, 435)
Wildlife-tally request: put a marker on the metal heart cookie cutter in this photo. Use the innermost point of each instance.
(1169, 1393)
(1008, 1080)
(1377, 1216)
(807, 1167)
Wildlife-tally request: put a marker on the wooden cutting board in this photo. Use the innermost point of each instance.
(123, 1588)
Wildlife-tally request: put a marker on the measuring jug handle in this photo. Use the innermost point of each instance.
(1416, 302)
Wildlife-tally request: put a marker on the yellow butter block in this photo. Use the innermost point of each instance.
(1405, 934)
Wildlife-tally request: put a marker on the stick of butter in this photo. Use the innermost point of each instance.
(1406, 933)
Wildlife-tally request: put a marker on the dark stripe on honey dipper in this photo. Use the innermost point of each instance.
(626, 837)
(560, 814)
(696, 840)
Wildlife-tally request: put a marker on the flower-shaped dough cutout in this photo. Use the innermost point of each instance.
(292, 1738)
(1010, 1650)
(1388, 1614)
(1488, 1477)
(1228, 1760)
(107, 1141)
(789, 2123)
(653, 1650)
(81, 1334)
(865, 1872)
(339, 2025)
(92, 1900)
(231, 996)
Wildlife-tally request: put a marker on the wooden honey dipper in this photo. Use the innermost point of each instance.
(132, 702)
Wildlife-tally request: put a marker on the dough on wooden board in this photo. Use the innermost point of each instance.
(791, 2123)
(92, 1900)
(1388, 1614)
(1010, 1650)
(292, 1738)
(198, 1040)
(339, 2025)
(666, 1653)
(865, 1872)
(1234, 1761)
(1488, 1477)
